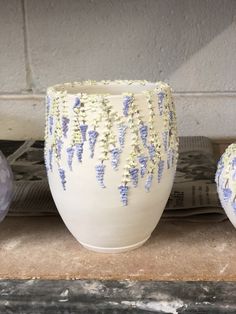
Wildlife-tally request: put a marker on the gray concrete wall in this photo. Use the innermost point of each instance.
(189, 43)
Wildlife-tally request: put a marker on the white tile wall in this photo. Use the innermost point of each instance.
(189, 43)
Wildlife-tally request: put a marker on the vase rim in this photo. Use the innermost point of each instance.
(111, 88)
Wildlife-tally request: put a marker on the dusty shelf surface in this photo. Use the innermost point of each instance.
(42, 247)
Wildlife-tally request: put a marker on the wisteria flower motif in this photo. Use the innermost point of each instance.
(65, 125)
(227, 193)
(161, 165)
(115, 158)
(148, 183)
(50, 157)
(124, 194)
(93, 134)
(152, 151)
(50, 124)
(59, 144)
(143, 162)
(121, 134)
(100, 171)
(83, 129)
(161, 96)
(134, 176)
(62, 177)
(70, 154)
(126, 105)
(79, 151)
(143, 129)
(77, 103)
(233, 204)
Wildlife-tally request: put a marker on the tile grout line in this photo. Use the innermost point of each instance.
(28, 70)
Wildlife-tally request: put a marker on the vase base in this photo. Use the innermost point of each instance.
(121, 249)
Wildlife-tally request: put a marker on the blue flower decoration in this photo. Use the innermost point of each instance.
(134, 176)
(165, 136)
(50, 153)
(161, 96)
(121, 134)
(234, 163)
(171, 115)
(50, 124)
(233, 204)
(77, 103)
(126, 104)
(83, 129)
(70, 154)
(115, 157)
(59, 144)
(92, 141)
(100, 170)
(124, 194)
(234, 175)
(152, 151)
(148, 183)
(79, 151)
(143, 130)
(161, 165)
(65, 125)
(143, 162)
(227, 193)
(63, 178)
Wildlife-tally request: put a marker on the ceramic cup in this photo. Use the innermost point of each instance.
(6, 186)
(226, 182)
(110, 153)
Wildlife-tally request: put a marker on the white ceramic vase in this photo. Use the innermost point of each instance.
(226, 182)
(110, 153)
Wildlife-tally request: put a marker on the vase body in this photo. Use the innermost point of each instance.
(110, 153)
(226, 182)
(6, 186)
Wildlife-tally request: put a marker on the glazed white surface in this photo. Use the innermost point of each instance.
(95, 215)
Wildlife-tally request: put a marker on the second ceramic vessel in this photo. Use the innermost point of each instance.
(226, 182)
(110, 152)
